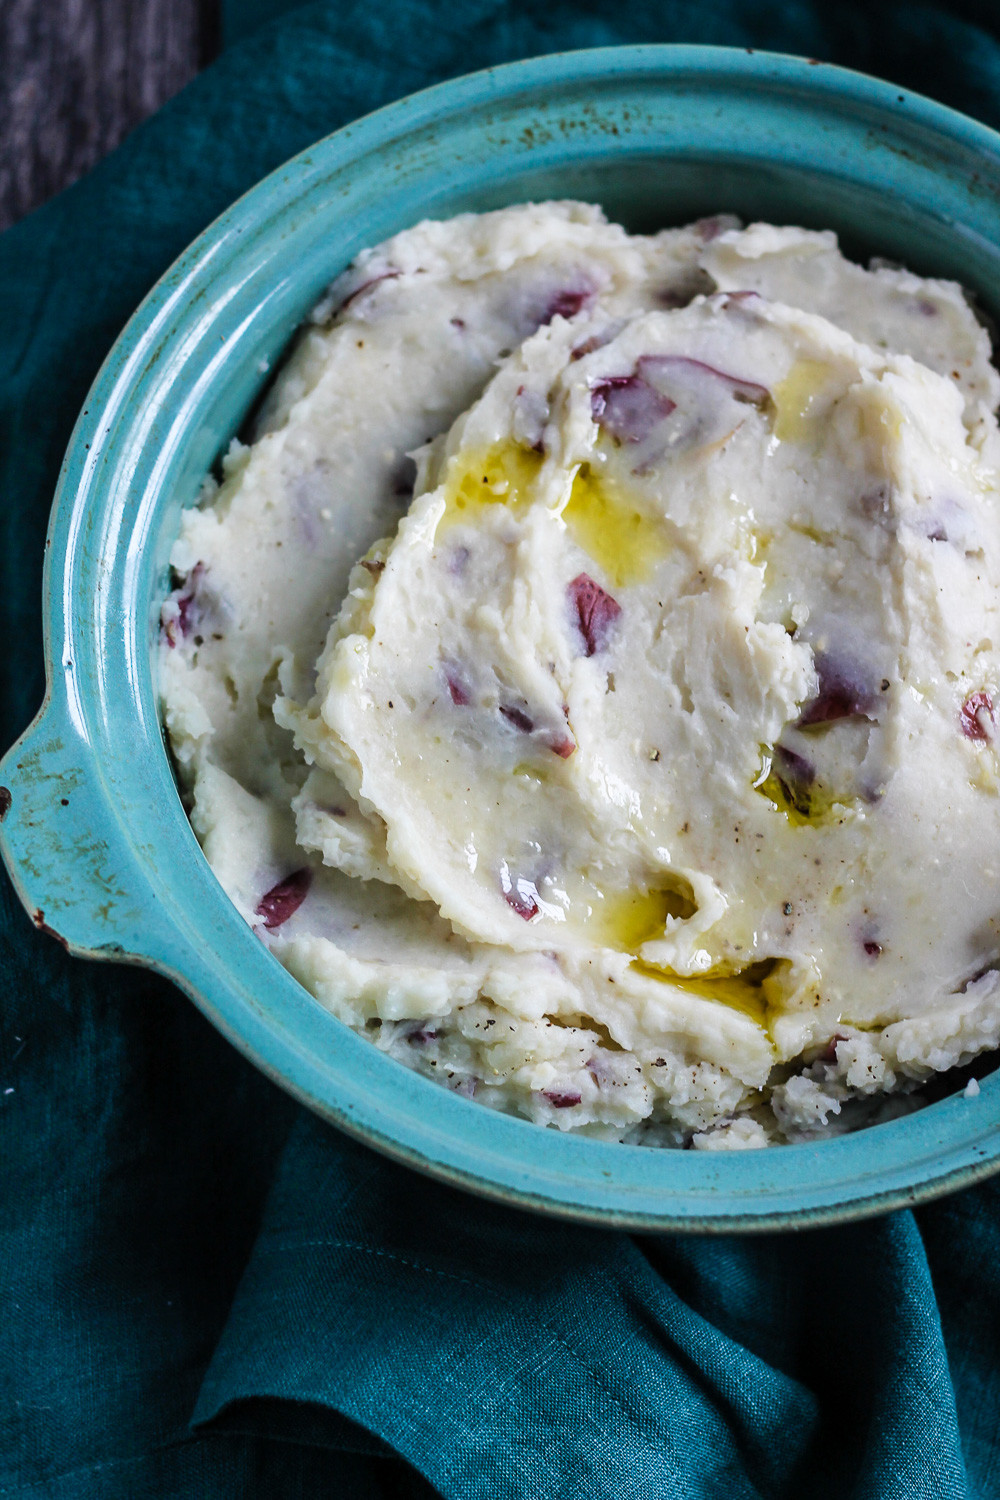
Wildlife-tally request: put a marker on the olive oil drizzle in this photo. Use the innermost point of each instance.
(607, 524)
(751, 990)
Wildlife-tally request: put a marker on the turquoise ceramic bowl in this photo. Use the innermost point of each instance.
(94, 832)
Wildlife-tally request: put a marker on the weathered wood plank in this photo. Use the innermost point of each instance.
(77, 75)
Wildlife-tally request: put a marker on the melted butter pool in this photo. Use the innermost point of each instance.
(628, 919)
(753, 991)
(804, 803)
(800, 398)
(502, 475)
(609, 526)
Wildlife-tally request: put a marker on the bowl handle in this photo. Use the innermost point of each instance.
(70, 865)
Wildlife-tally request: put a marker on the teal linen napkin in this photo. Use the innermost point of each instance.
(207, 1292)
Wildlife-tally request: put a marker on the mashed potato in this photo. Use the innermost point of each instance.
(585, 682)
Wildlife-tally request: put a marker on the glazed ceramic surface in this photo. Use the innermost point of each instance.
(95, 835)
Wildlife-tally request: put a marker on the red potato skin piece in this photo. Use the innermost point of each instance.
(793, 768)
(185, 601)
(563, 747)
(525, 906)
(560, 745)
(365, 286)
(561, 1101)
(517, 717)
(568, 302)
(829, 1054)
(750, 390)
(460, 694)
(284, 899)
(596, 611)
(595, 341)
(187, 607)
(628, 407)
(519, 894)
(968, 717)
(843, 694)
(709, 229)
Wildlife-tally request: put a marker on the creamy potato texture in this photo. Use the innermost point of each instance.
(586, 681)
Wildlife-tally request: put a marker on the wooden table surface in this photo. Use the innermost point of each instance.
(77, 75)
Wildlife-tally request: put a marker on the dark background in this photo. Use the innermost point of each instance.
(77, 75)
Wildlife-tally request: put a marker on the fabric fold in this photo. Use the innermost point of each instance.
(503, 1355)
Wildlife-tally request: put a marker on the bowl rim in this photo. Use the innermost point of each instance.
(71, 742)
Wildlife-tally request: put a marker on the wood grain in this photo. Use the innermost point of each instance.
(77, 75)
